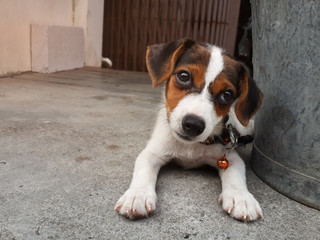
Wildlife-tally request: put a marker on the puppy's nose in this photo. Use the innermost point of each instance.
(193, 125)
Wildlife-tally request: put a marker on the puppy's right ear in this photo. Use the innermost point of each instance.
(161, 59)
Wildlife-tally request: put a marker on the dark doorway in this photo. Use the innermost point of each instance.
(131, 25)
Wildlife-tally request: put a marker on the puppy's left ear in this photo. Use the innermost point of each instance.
(250, 97)
(161, 59)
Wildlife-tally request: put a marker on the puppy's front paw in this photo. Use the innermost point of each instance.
(240, 204)
(136, 203)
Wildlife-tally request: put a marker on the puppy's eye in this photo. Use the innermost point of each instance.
(184, 78)
(226, 97)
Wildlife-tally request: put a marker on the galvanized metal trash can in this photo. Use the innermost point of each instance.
(286, 59)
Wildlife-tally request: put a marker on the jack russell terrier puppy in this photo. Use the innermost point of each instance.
(210, 100)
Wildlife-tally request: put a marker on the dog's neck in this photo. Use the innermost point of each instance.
(229, 137)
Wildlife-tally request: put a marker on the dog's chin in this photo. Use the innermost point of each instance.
(186, 139)
(183, 138)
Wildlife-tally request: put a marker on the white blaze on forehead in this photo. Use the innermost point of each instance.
(201, 104)
(215, 65)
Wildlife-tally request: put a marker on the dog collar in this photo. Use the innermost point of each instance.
(229, 135)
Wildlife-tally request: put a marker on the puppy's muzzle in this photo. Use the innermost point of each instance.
(193, 125)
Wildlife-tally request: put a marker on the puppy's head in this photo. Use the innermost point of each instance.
(203, 84)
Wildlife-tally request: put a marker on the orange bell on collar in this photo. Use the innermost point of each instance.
(223, 162)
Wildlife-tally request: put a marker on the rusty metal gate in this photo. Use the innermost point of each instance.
(131, 25)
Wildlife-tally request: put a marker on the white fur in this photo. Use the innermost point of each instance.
(140, 199)
(197, 104)
(215, 65)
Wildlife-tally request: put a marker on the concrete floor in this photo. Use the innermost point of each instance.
(67, 148)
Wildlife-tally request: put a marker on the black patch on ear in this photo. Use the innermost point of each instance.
(249, 104)
(254, 98)
(160, 54)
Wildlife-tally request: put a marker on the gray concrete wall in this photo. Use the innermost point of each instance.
(286, 59)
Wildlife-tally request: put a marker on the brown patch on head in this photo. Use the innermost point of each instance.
(173, 94)
(232, 69)
(217, 87)
(197, 72)
(248, 95)
(195, 60)
(221, 83)
(226, 80)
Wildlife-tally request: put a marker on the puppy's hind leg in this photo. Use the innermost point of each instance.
(140, 199)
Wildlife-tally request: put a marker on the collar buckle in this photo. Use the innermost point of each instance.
(230, 138)
(234, 136)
